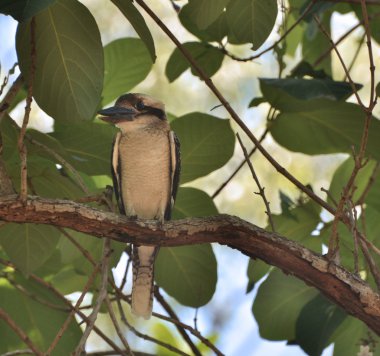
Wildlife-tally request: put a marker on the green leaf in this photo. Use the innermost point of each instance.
(187, 273)
(250, 21)
(208, 58)
(22, 10)
(305, 89)
(278, 303)
(206, 12)
(163, 333)
(40, 322)
(213, 33)
(193, 202)
(256, 270)
(298, 224)
(46, 179)
(207, 143)
(317, 321)
(72, 256)
(69, 72)
(134, 17)
(127, 62)
(68, 280)
(337, 125)
(28, 245)
(88, 145)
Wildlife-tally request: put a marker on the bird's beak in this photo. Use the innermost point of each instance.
(117, 114)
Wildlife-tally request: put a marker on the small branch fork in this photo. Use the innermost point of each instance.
(256, 179)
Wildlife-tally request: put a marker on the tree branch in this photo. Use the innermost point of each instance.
(342, 287)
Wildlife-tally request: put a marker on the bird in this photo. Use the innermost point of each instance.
(145, 166)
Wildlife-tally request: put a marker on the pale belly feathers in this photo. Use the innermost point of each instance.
(145, 170)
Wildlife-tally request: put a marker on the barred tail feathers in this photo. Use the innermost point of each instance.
(142, 288)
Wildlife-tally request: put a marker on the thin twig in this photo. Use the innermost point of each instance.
(371, 262)
(101, 296)
(256, 179)
(84, 252)
(117, 328)
(373, 97)
(9, 97)
(124, 279)
(324, 55)
(174, 316)
(51, 288)
(369, 185)
(152, 339)
(67, 322)
(351, 82)
(355, 57)
(6, 78)
(232, 112)
(30, 295)
(354, 232)
(29, 99)
(242, 163)
(21, 334)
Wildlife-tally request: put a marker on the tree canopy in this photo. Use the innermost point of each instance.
(314, 261)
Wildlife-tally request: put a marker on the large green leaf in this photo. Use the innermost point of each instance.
(208, 58)
(251, 21)
(127, 62)
(207, 143)
(22, 10)
(88, 144)
(213, 33)
(298, 224)
(39, 321)
(305, 89)
(205, 12)
(323, 126)
(137, 21)
(193, 202)
(28, 245)
(187, 273)
(316, 323)
(69, 72)
(278, 304)
(256, 270)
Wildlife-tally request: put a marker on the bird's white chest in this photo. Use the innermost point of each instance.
(145, 174)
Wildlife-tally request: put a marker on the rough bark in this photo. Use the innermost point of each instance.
(342, 287)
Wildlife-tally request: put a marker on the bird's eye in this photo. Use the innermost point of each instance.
(140, 105)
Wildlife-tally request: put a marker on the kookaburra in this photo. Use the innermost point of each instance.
(145, 170)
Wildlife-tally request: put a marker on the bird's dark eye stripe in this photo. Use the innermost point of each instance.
(140, 105)
(154, 111)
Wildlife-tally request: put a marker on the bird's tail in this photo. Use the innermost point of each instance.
(143, 272)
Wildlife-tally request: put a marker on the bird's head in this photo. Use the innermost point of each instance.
(135, 110)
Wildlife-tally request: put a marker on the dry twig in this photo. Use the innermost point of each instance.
(256, 179)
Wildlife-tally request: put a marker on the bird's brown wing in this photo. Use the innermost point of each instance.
(115, 169)
(175, 170)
